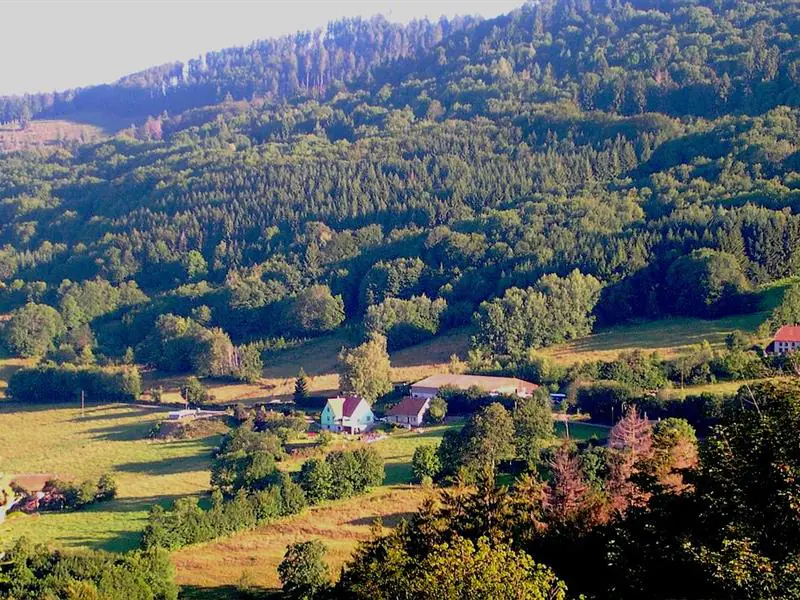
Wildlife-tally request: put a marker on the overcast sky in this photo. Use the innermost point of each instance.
(51, 45)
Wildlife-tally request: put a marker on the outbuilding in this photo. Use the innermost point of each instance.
(491, 386)
(409, 412)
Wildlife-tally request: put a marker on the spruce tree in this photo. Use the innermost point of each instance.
(301, 387)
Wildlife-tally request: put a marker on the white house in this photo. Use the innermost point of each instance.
(349, 414)
(430, 386)
(786, 340)
(410, 411)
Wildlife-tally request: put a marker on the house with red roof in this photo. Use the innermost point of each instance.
(787, 339)
(349, 414)
(409, 412)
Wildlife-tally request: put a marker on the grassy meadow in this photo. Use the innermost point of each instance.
(59, 441)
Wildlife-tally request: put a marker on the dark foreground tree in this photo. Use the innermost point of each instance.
(303, 571)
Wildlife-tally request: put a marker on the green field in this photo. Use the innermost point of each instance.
(59, 441)
(580, 432)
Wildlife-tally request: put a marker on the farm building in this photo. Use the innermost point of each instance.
(349, 414)
(189, 414)
(410, 411)
(430, 386)
(787, 339)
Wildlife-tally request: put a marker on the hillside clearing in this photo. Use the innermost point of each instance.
(668, 337)
(340, 525)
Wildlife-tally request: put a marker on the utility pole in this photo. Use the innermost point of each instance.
(83, 403)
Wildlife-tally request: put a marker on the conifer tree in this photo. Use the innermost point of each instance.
(301, 387)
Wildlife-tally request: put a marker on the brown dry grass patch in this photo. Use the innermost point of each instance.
(339, 525)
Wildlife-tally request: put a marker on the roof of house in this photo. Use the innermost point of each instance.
(788, 333)
(407, 407)
(344, 406)
(484, 382)
(350, 405)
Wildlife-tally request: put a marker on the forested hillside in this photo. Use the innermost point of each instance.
(568, 164)
(309, 63)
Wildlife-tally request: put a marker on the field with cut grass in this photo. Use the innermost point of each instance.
(339, 525)
(580, 432)
(668, 337)
(58, 440)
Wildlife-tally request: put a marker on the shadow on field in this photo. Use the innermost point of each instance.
(167, 466)
(397, 473)
(226, 592)
(122, 433)
(123, 541)
(436, 433)
(136, 504)
(392, 520)
(115, 411)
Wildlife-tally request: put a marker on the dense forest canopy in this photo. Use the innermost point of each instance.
(648, 145)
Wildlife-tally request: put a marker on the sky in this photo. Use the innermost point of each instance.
(50, 45)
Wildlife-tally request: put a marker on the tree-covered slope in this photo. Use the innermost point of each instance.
(651, 146)
(307, 63)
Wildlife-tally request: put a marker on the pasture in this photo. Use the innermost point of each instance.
(112, 438)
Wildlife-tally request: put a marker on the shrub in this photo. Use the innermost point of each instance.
(425, 463)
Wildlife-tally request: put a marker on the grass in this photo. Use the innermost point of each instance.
(580, 432)
(339, 525)
(720, 388)
(110, 438)
(668, 337)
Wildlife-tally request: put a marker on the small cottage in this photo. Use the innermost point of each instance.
(409, 412)
(787, 339)
(349, 414)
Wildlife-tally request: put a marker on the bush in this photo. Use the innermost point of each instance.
(64, 383)
(316, 479)
(425, 463)
(437, 410)
(604, 401)
(342, 474)
(193, 392)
